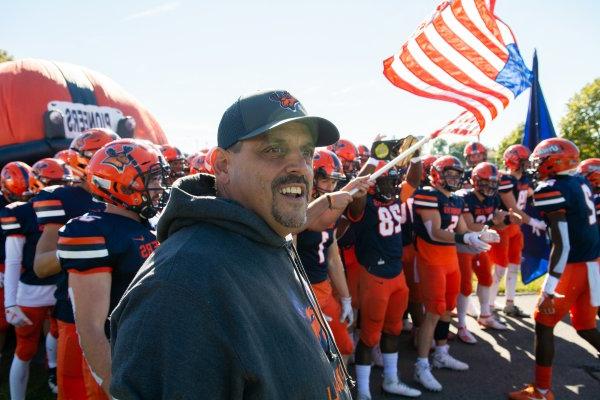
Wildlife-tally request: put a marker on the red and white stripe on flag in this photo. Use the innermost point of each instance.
(456, 56)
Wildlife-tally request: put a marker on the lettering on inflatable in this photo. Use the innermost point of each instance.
(79, 117)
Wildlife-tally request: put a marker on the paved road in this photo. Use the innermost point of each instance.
(503, 361)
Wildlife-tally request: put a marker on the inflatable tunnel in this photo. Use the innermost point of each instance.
(45, 104)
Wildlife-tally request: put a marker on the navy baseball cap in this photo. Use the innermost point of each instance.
(254, 114)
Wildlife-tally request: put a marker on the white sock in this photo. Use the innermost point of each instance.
(461, 307)
(422, 362)
(19, 375)
(390, 366)
(51, 350)
(511, 281)
(440, 350)
(363, 376)
(499, 272)
(483, 293)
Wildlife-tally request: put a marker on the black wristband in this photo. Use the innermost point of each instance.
(459, 238)
(490, 223)
(507, 220)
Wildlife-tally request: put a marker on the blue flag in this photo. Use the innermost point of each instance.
(538, 127)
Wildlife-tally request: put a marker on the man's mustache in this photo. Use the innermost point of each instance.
(283, 180)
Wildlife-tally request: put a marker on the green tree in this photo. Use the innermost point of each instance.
(514, 137)
(441, 147)
(581, 124)
(4, 56)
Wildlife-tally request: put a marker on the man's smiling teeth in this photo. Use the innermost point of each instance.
(296, 190)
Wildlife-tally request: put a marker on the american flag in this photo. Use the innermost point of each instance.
(466, 55)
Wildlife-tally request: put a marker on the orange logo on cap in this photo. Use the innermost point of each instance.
(286, 100)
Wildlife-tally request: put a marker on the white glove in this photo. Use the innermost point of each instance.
(347, 313)
(489, 235)
(1, 280)
(472, 239)
(15, 316)
(536, 224)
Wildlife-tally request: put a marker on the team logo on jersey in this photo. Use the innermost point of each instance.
(286, 100)
(118, 159)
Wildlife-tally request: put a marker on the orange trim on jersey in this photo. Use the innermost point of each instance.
(8, 219)
(15, 235)
(96, 270)
(47, 203)
(81, 240)
(545, 195)
(425, 197)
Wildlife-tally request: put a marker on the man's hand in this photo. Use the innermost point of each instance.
(537, 225)
(514, 217)
(347, 313)
(545, 304)
(361, 184)
(15, 316)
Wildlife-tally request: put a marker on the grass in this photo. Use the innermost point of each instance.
(533, 287)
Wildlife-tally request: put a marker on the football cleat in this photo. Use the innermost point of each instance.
(530, 393)
(465, 336)
(424, 376)
(489, 322)
(512, 310)
(445, 360)
(395, 386)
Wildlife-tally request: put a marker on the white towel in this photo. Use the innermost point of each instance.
(593, 269)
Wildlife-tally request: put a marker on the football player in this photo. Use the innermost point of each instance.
(197, 164)
(481, 209)
(54, 206)
(409, 259)
(363, 154)
(474, 153)
(515, 188)
(348, 155)
(573, 281)
(102, 251)
(177, 162)
(320, 257)
(28, 299)
(590, 168)
(382, 290)
(439, 227)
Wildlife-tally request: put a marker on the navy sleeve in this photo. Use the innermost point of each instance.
(82, 247)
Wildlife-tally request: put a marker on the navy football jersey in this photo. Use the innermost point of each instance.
(57, 205)
(106, 242)
(518, 187)
(450, 209)
(18, 219)
(379, 238)
(3, 203)
(481, 210)
(573, 196)
(313, 247)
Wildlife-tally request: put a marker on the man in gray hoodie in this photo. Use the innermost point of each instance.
(223, 309)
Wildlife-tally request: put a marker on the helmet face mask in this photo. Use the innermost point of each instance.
(155, 193)
(474, 159)
(453, 179)
(487, 187)
(386, 186)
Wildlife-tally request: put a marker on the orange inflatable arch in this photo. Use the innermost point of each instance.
(44, 104)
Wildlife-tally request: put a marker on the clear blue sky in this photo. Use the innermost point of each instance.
(189, 60)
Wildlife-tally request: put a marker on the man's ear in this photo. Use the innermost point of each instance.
(222, 164)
